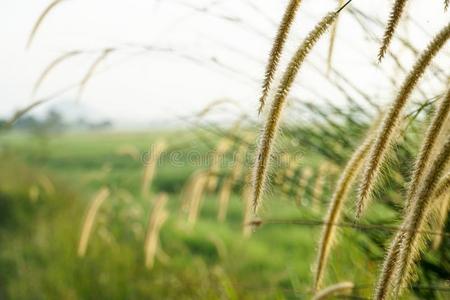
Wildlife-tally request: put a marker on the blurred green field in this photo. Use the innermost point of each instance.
(46, 184)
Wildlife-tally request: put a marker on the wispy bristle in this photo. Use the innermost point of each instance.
(332, 40)
(51, 66)
(105, 53)
(39, 21)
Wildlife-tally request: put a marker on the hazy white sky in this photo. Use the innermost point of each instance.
(220, 47)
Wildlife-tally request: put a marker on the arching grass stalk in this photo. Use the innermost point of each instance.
(273, 119)
(389, 128)
(334, 211)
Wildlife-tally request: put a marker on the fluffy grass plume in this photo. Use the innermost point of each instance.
(216, 160)
(394, 19)
(291, 164)
(417, 217)
(384, 283)
(442, 201)
(319, 185)
(149, 172)
(41, 18)
(338, 289)
(334, 211)
(199, 184)
(446, 4)
(50, 67)
(303, 180)
(88, 224)
(431, 137)
(225, 192)
(389, 128)
(271, 125)
(157, 218)
(277, 49)
(269, 133)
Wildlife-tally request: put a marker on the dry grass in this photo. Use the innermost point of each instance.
(157, 218)
(90, 219)
(227, 187)
(199, 184)
(150, 168)
(84, 81)
(217, 159)
(41, 18)
(52, 66)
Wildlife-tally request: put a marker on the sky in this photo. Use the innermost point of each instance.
(198, 52)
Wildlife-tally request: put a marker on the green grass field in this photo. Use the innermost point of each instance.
(45, 188)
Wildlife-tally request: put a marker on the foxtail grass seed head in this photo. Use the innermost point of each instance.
(303, 181)
(196, 196)
(319, 185)
(269, 133)
(389, 128)
(442, 206)
(417, 217)
(224, 198)
(216, 160)
(150, 166)
(277, 49)
(339, 289)
(90, 219)
(333, 216)
(225, 192)
(431, 138)
(394, 19)
(384, 284)
(157, 218)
